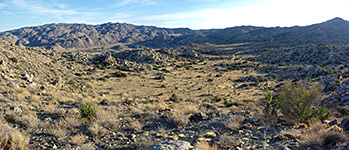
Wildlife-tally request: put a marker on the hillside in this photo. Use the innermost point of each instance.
(61, 37)
(80, 36)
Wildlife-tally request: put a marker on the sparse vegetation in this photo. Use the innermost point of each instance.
(248, 95)
(88, 110)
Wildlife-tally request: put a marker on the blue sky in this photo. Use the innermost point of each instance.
(195, 14)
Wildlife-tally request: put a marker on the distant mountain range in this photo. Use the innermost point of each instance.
(113, 35)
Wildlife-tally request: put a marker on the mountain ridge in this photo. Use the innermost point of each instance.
(62, 36)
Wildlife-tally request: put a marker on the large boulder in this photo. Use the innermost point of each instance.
(171, 145)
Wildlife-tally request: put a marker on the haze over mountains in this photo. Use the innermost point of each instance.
(113, 35)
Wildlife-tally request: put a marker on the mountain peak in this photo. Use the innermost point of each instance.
(337, 19)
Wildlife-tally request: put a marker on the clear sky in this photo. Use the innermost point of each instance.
(195, 14)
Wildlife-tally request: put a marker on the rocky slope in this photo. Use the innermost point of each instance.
(79, 36)
(115, 35)
(176, 96)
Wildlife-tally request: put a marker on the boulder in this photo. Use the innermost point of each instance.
(171, 145)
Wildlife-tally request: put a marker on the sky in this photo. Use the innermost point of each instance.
(194, 14)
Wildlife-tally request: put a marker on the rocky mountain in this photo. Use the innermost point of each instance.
(79, 36)
(331, 30)
(116, 35)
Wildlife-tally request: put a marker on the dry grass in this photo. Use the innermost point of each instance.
(141, 143)
(318, 135)
(205, 146)
(12, 139)
(136, 125)
(229, 141)
(179, 118)
(108, 118)
(72, 121)
(22, 94)
(233, 122)
(87, 146)
(180, 115)
(30, 121)
(78, 139)
(58, 129)
(95, 129)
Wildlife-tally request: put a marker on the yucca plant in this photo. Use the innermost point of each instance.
(270, 110)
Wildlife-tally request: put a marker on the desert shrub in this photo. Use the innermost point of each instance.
(160, 77)
(30, 121)
(322, 112)
(178, 119)
(78, 139)
(296, 100)
(11, 117)
(120, 74)
(108, 119)
(11, 139)
(216, 99)
(174, 97)
(226, 141)
(94, 129)
(88, 110)
(149, 100)
(233, 122)
(342, 110)
(318, 135)
(58, 129)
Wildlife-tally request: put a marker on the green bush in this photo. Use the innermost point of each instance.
(88, 110)
(296, 100)
(322, 113)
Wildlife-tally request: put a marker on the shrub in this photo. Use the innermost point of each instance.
(88, 110)
(317, 135)
(234, 122)
(120, 74)
(148, 100)
(322, 113)
(216, 99)
(342, 110)
(296, 100)
(12, 139)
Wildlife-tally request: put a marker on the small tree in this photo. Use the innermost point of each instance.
(296, 100)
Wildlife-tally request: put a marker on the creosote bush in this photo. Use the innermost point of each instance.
(88, 110)
(296, 100)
